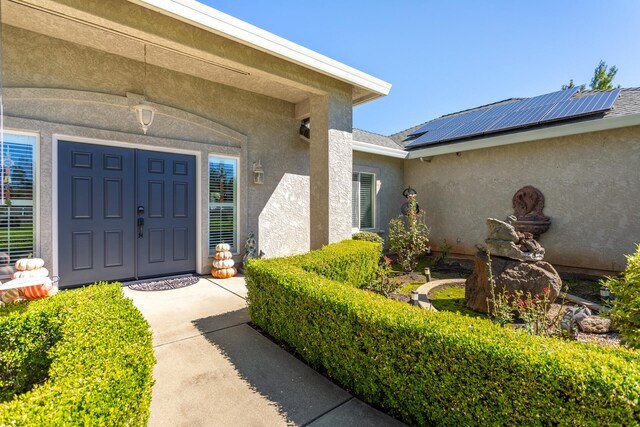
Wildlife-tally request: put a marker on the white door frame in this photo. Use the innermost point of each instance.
(110, 143)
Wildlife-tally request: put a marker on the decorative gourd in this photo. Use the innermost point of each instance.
(223, 247)
(223, 255)
(30, 274)
(12, 295)
(37, 291)
(26, 264)
(223, 263)
(223, 273)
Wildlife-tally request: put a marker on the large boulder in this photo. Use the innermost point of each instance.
(510, 275)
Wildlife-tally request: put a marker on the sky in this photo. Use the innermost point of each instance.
(446, 56)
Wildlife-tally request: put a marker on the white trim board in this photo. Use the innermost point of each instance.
(54, 179)
(210, 19)
(366, 147)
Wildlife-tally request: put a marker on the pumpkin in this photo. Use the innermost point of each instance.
(223, 247)
(223, 273)
(25, 264)
(223, 263)
(31, 274)
(12, 295)
(223, 255)
(37, 291)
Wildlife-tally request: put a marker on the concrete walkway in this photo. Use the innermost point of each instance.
(213, 369)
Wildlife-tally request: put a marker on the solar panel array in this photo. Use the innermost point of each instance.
(513, 115)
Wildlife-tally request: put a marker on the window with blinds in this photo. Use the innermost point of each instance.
(223, 203)
(17, 199)
(363, 200)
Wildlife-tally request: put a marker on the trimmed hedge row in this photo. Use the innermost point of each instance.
(438, 368)
(83, 357)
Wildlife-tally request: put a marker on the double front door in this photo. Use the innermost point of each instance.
(124, 213)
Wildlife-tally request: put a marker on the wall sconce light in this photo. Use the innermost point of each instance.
(258, 173)
(144, 114)
(305, 128)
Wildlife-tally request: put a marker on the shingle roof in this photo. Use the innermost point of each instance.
(628, 102)
(375, 138)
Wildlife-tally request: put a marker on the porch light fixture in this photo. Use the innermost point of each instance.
(258, 173)
(144, 114)
(305, 128)
(604, 293)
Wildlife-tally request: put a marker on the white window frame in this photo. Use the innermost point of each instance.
(374, 202)
(36, 184)
(238, 201)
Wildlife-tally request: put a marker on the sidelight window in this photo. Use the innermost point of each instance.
(223, 202)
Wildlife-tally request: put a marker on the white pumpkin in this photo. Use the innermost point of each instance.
(31, 274)
(223, 255)
(223, 263)
(26, 264)
(223, 247)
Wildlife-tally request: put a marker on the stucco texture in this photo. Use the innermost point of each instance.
(590, 183)
(65, 88)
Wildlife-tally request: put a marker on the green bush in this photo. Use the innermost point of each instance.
(83, 357)
(368, 236)
(439, 368)
(626, 306)
(351, 261)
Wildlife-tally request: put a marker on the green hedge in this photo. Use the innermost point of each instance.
(440, 368)
(368, 236)
(83, 357)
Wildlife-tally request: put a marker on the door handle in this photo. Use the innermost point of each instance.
(140, 228)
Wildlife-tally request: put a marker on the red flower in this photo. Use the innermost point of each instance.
(546, 291)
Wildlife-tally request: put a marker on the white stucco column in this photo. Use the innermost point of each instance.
(330, 169)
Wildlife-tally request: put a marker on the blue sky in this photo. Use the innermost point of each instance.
(447, 56)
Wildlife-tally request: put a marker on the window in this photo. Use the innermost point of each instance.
(223, 202)
(363, 200)
(17, 197)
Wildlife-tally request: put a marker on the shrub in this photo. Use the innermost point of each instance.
(368, 236)
(626, 306)
(408, 237)
(351, 261)
(440, 368)
(83, 357)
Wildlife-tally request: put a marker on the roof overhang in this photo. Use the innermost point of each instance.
(366, 87)
(366, 147)
(528, 136)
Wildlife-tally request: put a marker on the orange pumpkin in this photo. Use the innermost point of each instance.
(31, 274)
(222, 255)
(12, 295)
(223, 273)
(37, 291)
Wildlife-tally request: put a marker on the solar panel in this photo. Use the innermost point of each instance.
(434, 124)
(586, 105)
(475, 127)
(435, 135)
(521, 118)
(502, 109)
(548, 99)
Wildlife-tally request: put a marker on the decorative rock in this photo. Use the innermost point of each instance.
(509, 275)
(595, 325)
(503, 240)
(528, 203)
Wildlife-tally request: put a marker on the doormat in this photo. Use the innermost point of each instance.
(165, 284)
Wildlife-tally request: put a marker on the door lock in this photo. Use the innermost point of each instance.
(140, 228)
(140, 210)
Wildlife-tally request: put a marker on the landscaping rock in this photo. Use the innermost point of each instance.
(595, 325)
(510, 275)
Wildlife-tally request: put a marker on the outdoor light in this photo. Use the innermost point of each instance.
(414, 298)
(258, 173)
(305, 128)
(144, 114)
(604, 293)
(427, 272)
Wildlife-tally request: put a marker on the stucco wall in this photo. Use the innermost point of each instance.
(590, 183)
(389, 174)
(278, 210)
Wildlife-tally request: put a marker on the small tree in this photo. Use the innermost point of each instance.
(408, 236)
(603, 76)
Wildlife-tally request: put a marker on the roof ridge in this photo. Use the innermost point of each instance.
(373, 133)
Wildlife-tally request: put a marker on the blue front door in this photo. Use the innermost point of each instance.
(124, 213)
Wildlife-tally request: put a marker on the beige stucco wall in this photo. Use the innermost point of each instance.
(197, 115)
(389, 174)
(590, 183)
